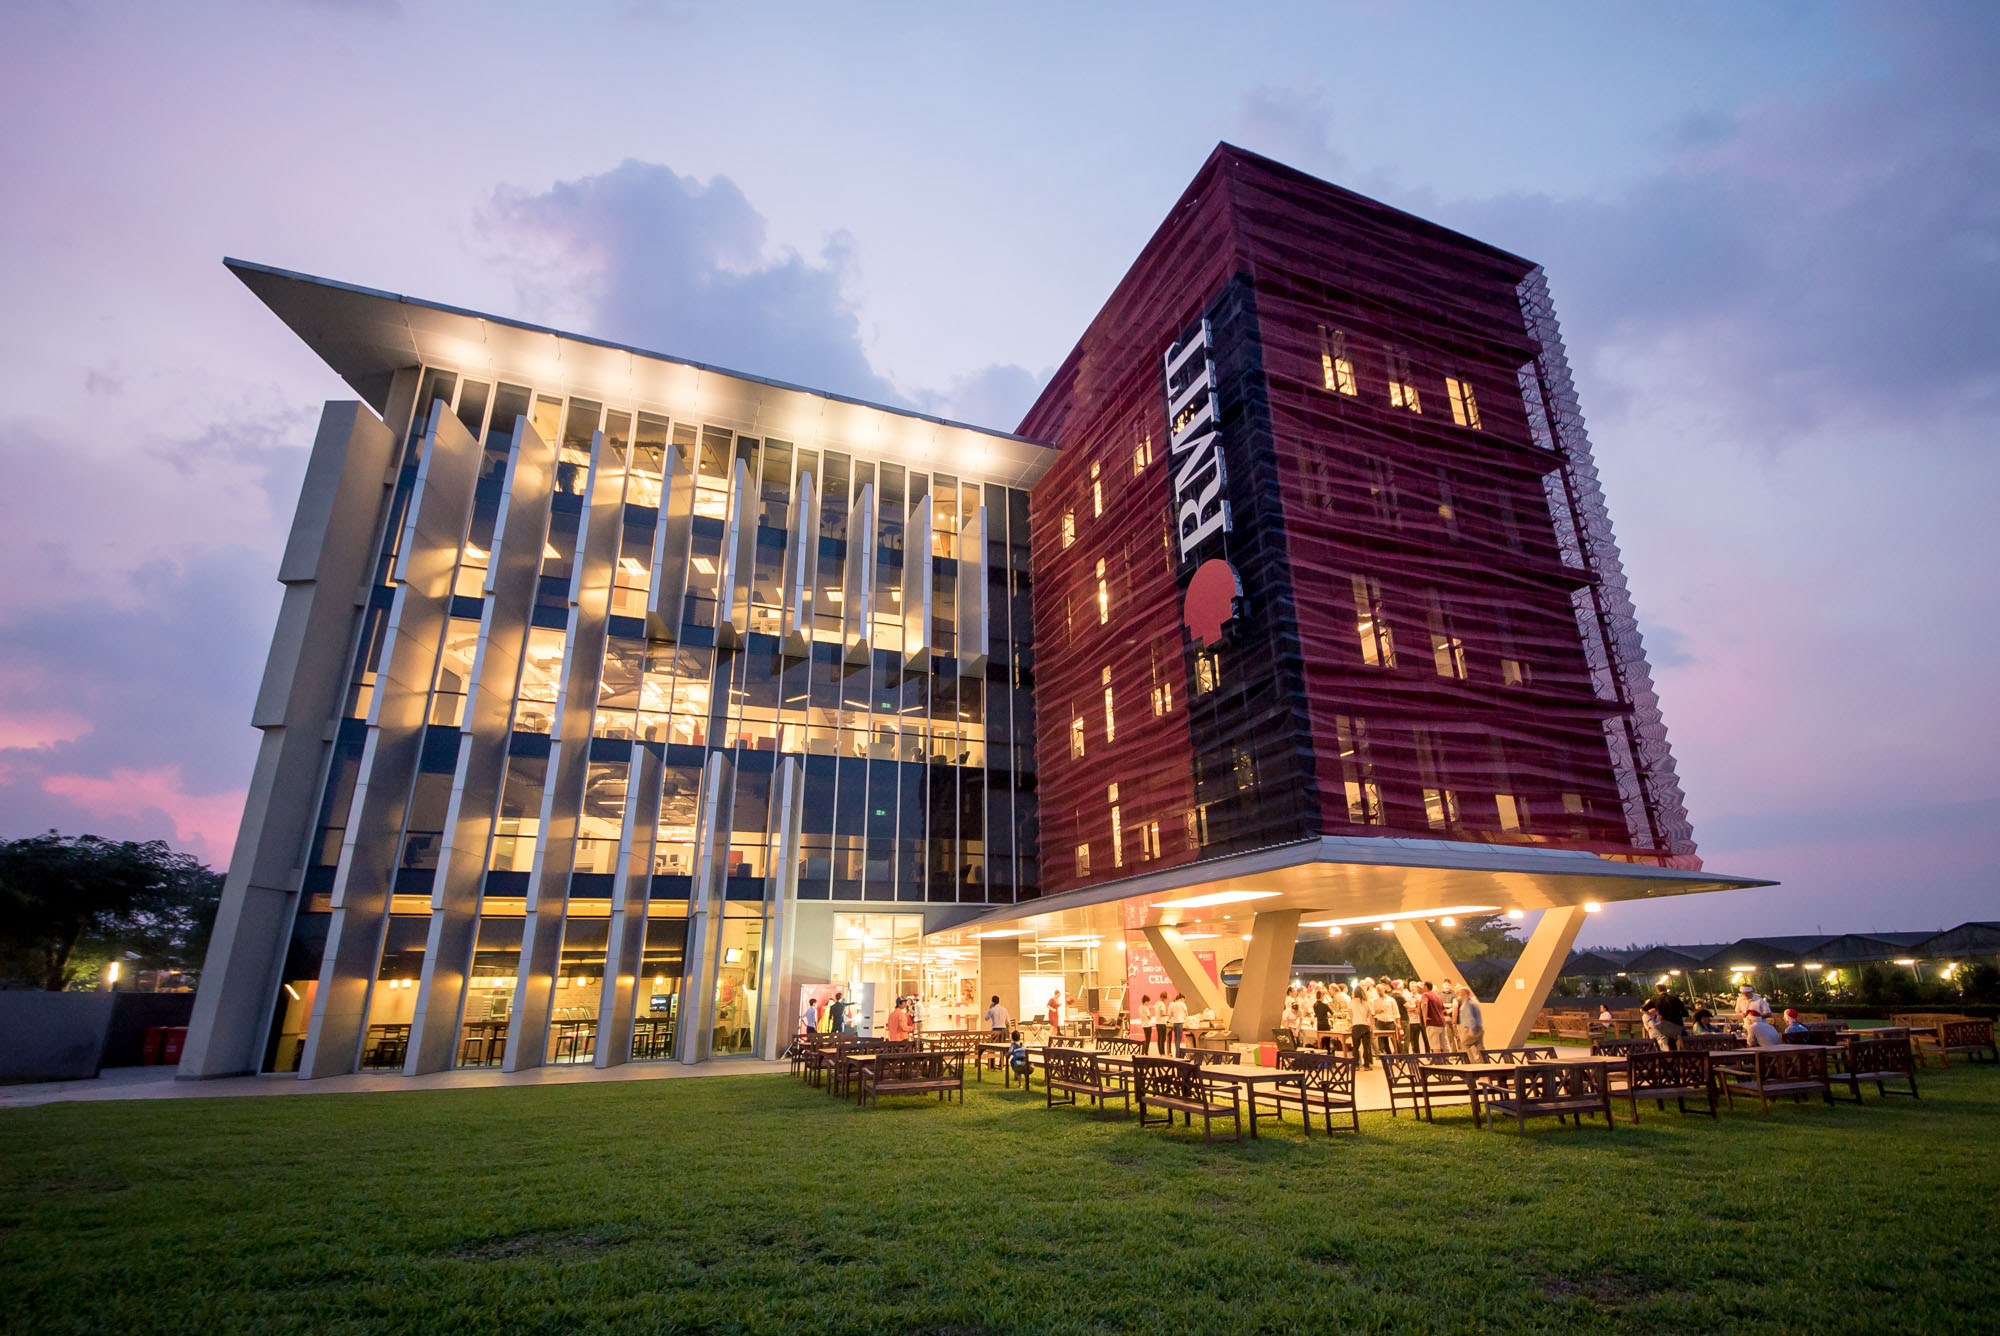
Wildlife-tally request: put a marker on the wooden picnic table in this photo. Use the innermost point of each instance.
(1250, 1076)
(1466, 1074)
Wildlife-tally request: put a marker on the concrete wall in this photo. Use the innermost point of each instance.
(52, 1036)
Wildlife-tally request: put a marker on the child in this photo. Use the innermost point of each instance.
(1017, 1060)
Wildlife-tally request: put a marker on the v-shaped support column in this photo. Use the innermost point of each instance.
(1511, 1016)
(1191, 980)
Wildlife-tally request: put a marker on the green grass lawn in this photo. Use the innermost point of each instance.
(753, 1204)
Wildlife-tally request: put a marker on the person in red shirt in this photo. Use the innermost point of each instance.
(1431, 1007)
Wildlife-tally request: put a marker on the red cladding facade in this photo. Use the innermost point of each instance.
(1374, 434)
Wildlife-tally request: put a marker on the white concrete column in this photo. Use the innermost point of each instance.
(801, 568)
(999, 973)
(1511, 1016)
(1190, 980)
(917, 585)
(857, 599)
(426, 560)
(625, 952)
(519, 532)
(1267, 968)
(1427, 955)
(781, 897)
(329, 556)
(739, 561)
(972, 620)
(705, 911)
(569, 759)
(670, 540)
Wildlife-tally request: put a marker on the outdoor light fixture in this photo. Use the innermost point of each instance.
(1815, 967)
(1391, 919)
(1675, 972)
(1215, 898)
(1744, 969)
(1447, 922)
(1784, 965)
(1333, 931)
(1516, 914)
(1591, 906)
(1388, 927)
(1906, 962)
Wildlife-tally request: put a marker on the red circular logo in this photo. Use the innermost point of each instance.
(1211, 600)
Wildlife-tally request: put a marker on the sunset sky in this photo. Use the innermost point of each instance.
(1772, 232)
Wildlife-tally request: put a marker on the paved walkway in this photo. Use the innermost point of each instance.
(159, 1082)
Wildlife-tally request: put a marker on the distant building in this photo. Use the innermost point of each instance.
(618, 704)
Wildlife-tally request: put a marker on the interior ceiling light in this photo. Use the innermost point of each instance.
(1214, 898)
(1199, 936)
(1516, 914)
(1591, 906)
(1001, 932)
(1407, 914)
(1074, 940)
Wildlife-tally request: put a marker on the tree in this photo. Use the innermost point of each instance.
(65, 899)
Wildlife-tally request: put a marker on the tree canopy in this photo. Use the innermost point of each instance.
(68, 903)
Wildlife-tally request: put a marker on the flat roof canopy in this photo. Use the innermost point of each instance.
(367, 336)
(1337, 880)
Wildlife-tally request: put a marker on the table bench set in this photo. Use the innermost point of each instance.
(1211, 1084)
(870, 1068)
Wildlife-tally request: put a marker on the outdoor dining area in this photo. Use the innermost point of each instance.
(1230, 1088)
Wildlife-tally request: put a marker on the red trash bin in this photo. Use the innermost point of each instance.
(176, 1038)
(1267, 1055)
(150, 1045)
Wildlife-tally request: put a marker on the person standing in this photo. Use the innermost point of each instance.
(1471, 1022)
(1361, 1028)
(1388, 1017)
(1140, 1016)
(1669, 1015)
(810, 1021)
(899, 1023)
(1322, 1015)
(1177, 1016)
(836, 1013)
(1055, 1011)
(1159, 1019)
(996, 1017)
(1431, 1008)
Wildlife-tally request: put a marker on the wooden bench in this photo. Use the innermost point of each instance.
(1608, 1047)
(1970, 1037)
(1560, 1090)
(1209, 1057)
(1769, 1073)
(1880, 1061)
(1074, 1072)
(1124, 1048)
(1528, 1053)
(1328, 1089)
(1403, 1074)
(913, 1073)
(1710, 1043)
(1177, 1087)
(1660, 1075)
(1573, 1025)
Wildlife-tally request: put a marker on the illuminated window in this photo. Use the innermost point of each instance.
(1096, 490)
(1142, 454)
(1149, 841)
(1441, 806)
(1103, 595)
(1335, 364)
(1207, 671)
(1447, 649)
(1402, 386)
(1573, 806)
(1197, 827)
(1068, 527)
(1076, 738)
(1357, 768)
(1513, 811)
(1514, 673)
(1244, 766)
(1447, 512)
(1464, 408)
(1082, 860)
(1117, 831)
(1110, 723)
(1378, 644)
(1163, 690)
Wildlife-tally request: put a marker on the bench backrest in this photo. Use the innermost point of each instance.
(1710, 1043)
(1536, 1082)
(1618, 1048)
(1324, 1072)
(1530, 1053)
(909, 1066)
(1880, 1055)
(1167, 1078)
(1968, 1034)
(1926, 1017)
(1657, 1069)
(1069, 1064)
(1791, 1063)
(1123, 1047)
(1209, 1057)
(1400, 1069)
(1065, 1041)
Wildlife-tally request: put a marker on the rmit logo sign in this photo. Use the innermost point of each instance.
(1193, 420)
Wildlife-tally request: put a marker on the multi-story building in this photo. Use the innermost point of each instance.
(620, 703)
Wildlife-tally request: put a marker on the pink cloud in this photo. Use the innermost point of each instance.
(205, 822)
(37, 729)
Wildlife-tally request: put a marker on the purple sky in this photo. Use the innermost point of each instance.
(1773, 233)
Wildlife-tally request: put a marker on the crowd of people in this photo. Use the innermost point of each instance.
(1385, 1015)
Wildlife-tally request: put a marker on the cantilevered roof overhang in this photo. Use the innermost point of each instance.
(1338, 878)
(367, 336)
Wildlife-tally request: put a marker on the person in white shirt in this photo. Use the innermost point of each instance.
(1177, 1015)
(1159, 1019)
(1363, 1028)
(1388, 1018)
(1749, 1004)
(1758, 1032)
(996, 1016)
